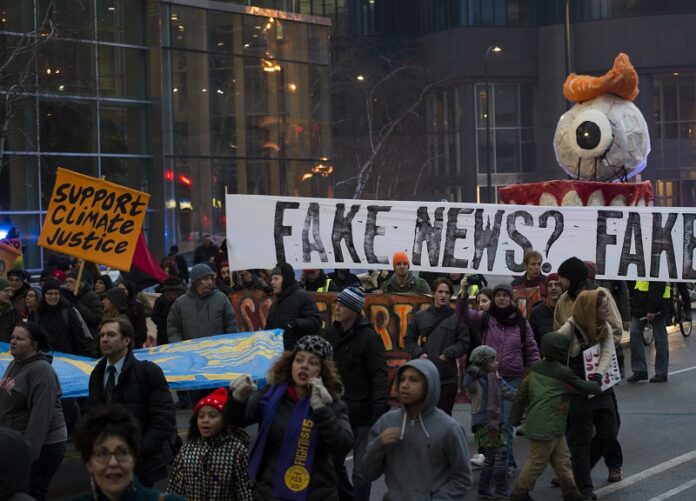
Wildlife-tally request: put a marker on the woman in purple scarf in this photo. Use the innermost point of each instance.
(302, 422)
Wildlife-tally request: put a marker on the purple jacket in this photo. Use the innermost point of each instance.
(505, 340)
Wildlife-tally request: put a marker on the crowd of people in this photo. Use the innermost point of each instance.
(329, 392)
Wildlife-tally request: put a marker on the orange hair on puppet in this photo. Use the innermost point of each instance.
(621, 80)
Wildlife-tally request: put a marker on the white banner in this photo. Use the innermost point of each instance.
(627, 243)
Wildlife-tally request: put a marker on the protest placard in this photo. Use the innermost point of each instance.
(626, 243)
(93, 219)
(591, 361)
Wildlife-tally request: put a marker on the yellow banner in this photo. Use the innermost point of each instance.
(93, 219)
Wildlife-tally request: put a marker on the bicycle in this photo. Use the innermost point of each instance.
(681, 316)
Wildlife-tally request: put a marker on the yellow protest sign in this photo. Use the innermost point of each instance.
(93, 219)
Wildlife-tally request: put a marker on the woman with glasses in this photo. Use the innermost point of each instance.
(108, 440)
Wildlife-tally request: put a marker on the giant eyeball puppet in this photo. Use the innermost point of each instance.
(603, 137)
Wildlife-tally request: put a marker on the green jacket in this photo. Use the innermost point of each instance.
(412, 284)
(544, 393)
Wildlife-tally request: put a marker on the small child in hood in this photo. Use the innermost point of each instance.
(213, 463)
(544, 395)
(487, 390)
(421, 451)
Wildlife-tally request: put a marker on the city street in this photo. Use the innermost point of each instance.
(656, 435)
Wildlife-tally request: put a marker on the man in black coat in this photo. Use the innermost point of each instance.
(541, 318)
(140, 386)
(359, 356)
(293, 309)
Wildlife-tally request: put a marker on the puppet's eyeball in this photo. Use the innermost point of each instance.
(592, 133)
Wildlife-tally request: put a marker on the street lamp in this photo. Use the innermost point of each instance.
(489, 182)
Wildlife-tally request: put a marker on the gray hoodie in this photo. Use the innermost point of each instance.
(30, 402)
(431, 460)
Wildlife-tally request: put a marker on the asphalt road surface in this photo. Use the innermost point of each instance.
(658, 436)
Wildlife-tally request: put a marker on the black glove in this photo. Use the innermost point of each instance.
(597, 378)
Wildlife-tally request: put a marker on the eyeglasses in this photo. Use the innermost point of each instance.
(103, 456)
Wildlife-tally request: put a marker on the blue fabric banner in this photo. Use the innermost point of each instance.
(197, 364)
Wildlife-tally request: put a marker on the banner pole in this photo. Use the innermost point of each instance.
(79, 277)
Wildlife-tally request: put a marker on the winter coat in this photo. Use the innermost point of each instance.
(571, 330)
(343, 281)
(135, 492)
(413, 284)
(142, 389)
(63, 329)
(449, 338)
(541, 321)
(204, 254)
(30, 402)
(136, 315)
(15, 465)
(359, 357)
(18, 300)
(193, 316)
(213, 468)
(513, 356)
(476, 382)
(522, 282)
(9, 316)
(651, 301)
(160, 312)
(335, 437)
(320, 283)
(431, 460)
(294, 311)
(88, 304)
(544, 393)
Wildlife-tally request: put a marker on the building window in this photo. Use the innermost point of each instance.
(674, 111)
(665, 194)
(511, 128)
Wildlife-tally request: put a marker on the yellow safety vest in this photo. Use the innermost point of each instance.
(642, 285)
(473, 290)
(326, 286)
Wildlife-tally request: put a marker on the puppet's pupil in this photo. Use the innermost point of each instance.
(588, 135)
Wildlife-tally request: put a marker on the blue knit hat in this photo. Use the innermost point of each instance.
(352, 297)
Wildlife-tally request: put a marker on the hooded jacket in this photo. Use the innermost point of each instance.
(193, 316)
(564, 310)
(431, 459)
(295, 311)
(30, 402)
(544, 393)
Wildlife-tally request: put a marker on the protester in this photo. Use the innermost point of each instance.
(360, 359)
(170, 291)
(203, 311)
(487, 391)
(32, 300)
(592, 423)
(223, 278)
(115, 303)
(650, 303)
(205, 253)
(102, 284)
(140, 386)
(541, 318)
(403, 281)
(293, 309)
(473, 283)
(532, 273)
(180, 261)
(317, 281)
(421, 451)
(302, 422)
(436, 334)
(19, 283)
(86, 301)
(135, 312)
(8, 314)
(343, 279)
(504, 329)
(543, 396)
(213, 462)
(249, 281)
(109, 440)
(30, 404)
(15, 465)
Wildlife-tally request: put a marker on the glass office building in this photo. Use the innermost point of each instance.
(186, 100)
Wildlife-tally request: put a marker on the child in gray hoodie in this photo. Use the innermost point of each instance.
(421, 451)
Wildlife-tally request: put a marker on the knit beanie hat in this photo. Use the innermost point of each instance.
(4, 284)
(118, 298)
(400, 257)
(17, 273)
(287, 272)
(482, 355)
(201, 270)
(49, 285)
(551, 277)
(216, 399)
(316, 345)
(573, 269)
(352, 297)
(504, 287)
